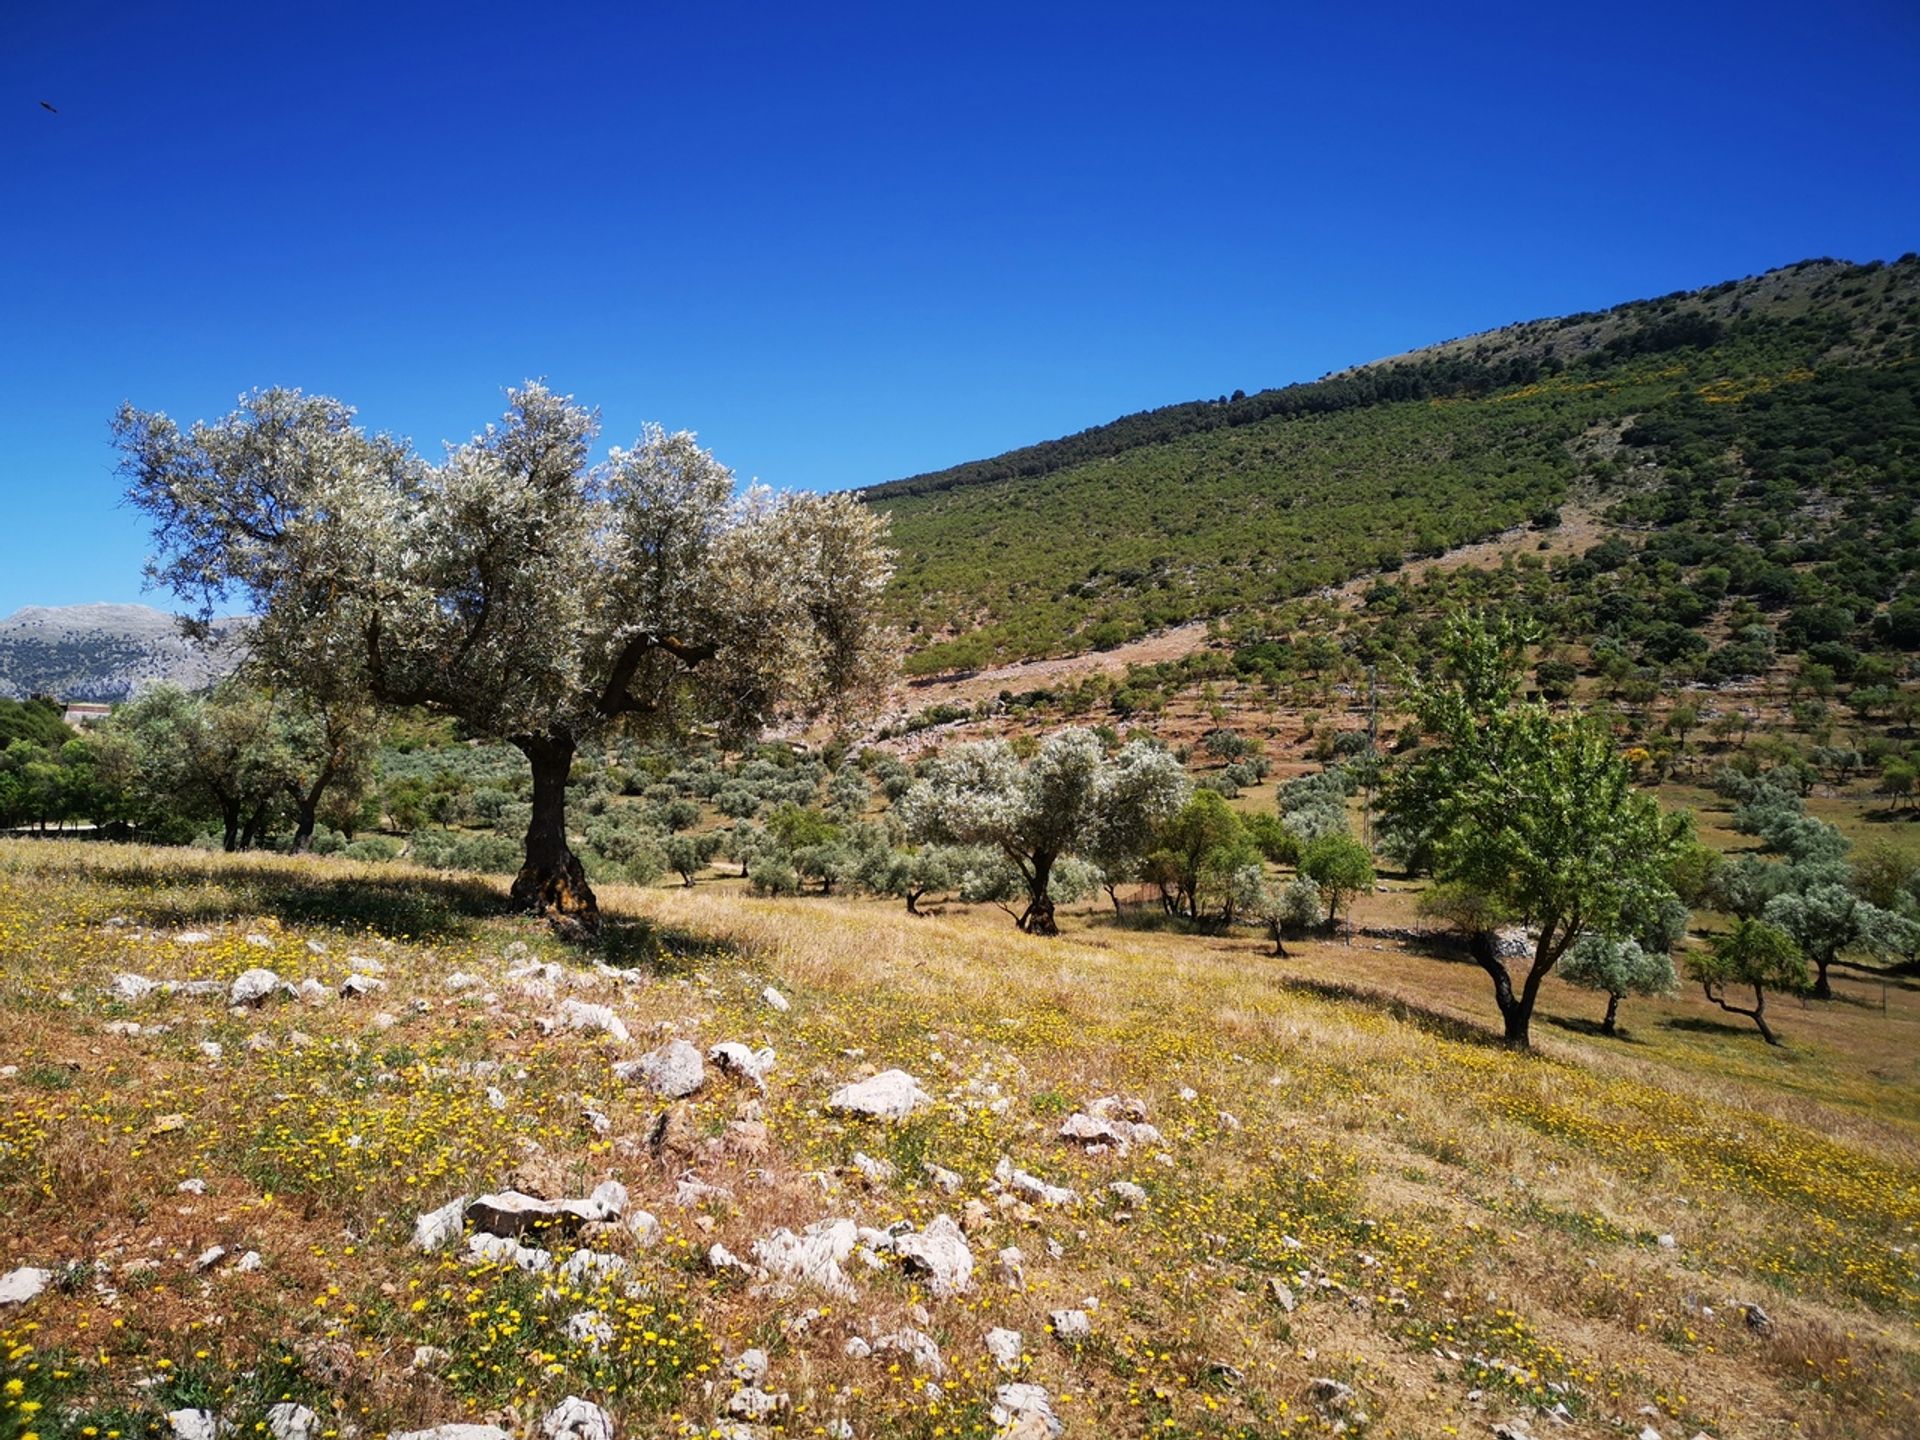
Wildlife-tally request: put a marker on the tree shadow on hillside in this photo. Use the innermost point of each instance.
(633, 942)
(1719, 1029)
(1580, 1025)
(1408, 1012)
(412, 906)
(431, 908)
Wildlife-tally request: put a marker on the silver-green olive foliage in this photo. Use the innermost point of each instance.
(537, 597)
(1070, 799)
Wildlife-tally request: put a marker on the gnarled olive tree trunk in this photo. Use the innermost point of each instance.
(552, 881)
(1038, 916)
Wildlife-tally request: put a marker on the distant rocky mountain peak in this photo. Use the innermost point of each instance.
(104, 652)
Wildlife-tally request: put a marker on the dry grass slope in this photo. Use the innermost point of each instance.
(1467, 1238)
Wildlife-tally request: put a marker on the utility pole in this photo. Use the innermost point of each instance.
(1373, 755)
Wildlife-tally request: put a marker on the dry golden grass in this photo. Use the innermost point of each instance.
(1470, 1236)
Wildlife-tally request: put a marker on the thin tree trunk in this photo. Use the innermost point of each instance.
(255, 827)
(552, 881)
(306, 805)
(1760, 1016)
(1613, 1009)
(230, 817)
(1822, 987)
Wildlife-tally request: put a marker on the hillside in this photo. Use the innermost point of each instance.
(1215, 508)
(1326, 1203)
(98, 652)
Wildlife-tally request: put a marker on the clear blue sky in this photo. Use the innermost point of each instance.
(848, 243)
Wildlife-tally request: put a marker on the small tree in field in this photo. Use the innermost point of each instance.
(1292, 906)
(1526, 817)
(1065, 800)
(1753, 955)
(1340, 867)
(540, 600)
(1637, 959)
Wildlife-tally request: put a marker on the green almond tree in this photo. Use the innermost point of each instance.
(1532, 815)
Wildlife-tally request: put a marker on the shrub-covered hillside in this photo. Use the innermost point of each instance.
(1776, 414)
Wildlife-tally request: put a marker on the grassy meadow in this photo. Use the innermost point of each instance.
(1362, 1215)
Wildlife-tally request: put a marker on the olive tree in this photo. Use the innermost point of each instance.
(1531, 813)
(1755, 955)
(539, 599)
(1636, 961)
(1066, 800)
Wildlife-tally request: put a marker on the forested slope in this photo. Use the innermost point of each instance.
(1777, 412)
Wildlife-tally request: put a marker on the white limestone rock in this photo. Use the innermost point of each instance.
(813, 1257)
(939, 1253)
(577, 1419)
(498, 1250)
(19, 1286)
(252, 987)
(1024, 1410)
(673, 1071)
(130, 987)
(595, 1019)
(287, 1421)
(734, 1058)
(918, 1346)
(890, 1095)
(1072, 1326)
(1004, 1346)
(196, 1425)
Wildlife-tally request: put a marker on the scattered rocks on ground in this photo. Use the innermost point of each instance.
(1004, 1346)
(1009, 1267)
(947, 1182)
(577, 1419)
(252, 987)
(1032, 1187)
(287, 1421)
(498, 1250)
(1026, 1411)
(355, 986)
(774, 998)
(511, 1213)
(752, 1404)
(737, 1059)
(19, 1286)
(1330, 1394)
(814, 1257)
(890, 1095)
(917, 1346)
(195, 1425)
(674, 1071)
(940, 1253)
(579, 1015)
(1071, 1326)
(437, 1228)
(130, 987)
(453, 1432)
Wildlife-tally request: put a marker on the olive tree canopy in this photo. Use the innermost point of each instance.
(537, 598)
(1068, 800)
